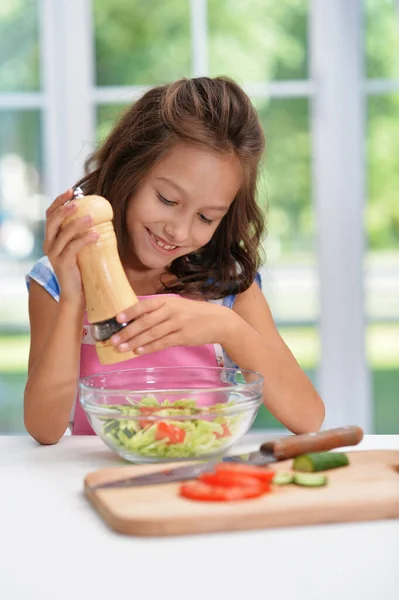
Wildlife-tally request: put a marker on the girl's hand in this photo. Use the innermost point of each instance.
(172, 321)
(62, 246)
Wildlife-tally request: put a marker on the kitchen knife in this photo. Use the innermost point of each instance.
(269, 452)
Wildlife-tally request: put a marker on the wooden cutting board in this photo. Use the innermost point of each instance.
(366, 490)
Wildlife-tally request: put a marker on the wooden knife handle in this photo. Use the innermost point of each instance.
(294, 445)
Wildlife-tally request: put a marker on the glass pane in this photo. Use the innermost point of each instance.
(140, 43)
(303, 341)
(19, 46)
(107, 115)
(14, 350)
(382, 38)
(22, 207)
(289, 275)
(258, 40)
(382, 261)
(383, 354)
(287, 179)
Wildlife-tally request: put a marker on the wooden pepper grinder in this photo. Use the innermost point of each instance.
(106, 287)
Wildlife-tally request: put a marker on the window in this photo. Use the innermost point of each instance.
(301, 62)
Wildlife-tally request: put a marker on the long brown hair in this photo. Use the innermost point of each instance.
(214, 113)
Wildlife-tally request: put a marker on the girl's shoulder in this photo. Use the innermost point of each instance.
(230, 299)
(43, 273)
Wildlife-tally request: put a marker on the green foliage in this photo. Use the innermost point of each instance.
(107, 116)
(253, 41)
(141, 43)
(19, 46)
(382, 39)
(286, 172)
(258, 40)
(382, 62)
(20, 133)
(382, 211)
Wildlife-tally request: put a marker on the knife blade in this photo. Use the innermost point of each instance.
(269, 452)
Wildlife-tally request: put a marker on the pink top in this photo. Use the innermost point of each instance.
(210, 355)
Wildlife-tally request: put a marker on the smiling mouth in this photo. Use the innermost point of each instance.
(160, 243)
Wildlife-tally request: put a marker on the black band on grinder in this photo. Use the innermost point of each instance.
(103, 330)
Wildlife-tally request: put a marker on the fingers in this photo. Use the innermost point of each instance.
(165, 342)
(146, 322)
(58, 238)
(150, 338)
(54, 220)
(59, 201)
(73, 230)
(72, 249)
(141, 308)
(153, 321)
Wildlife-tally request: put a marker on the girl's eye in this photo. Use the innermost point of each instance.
(171, 203)
(164, 200)
(205, 220)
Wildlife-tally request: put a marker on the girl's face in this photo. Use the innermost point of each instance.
(180, 204)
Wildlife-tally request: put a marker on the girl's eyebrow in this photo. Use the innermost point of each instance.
(184, 193)
(172, 183)
(220, 208)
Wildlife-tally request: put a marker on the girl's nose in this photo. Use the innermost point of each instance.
(178, 233)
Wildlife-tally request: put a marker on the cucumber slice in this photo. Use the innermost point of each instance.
(320, 461)
(111, 426)
(283, 478)
(310, 479)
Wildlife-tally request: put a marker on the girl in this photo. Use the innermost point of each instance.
(180, 170)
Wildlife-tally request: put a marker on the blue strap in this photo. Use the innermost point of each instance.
(43, 273)
(229, 300)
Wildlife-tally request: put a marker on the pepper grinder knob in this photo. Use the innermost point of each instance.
(77, 193)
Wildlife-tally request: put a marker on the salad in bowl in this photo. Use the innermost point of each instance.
(171, 413)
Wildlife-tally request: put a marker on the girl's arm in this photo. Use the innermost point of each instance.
(56, 328)
(248, 335)
(253, 342)
(56, 332)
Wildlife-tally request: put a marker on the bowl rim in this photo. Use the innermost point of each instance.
(234, 387)
(246, 404)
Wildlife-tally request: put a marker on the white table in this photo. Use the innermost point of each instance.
(54, 546)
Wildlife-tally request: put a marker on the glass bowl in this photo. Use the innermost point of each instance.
(165, 414)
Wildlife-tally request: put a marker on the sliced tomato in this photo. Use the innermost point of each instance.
(232, 479)
(201, 491)
(147, 410)
(174, 434)
(263, 474)
(226, 432)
